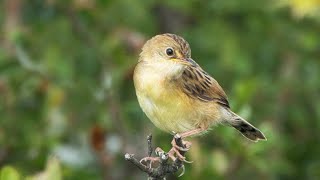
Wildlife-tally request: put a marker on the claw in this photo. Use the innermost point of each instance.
(158, 151)
(182, 158)
(171, 156)
(180, 148)
(183, 171)
(189, 162)
(143, 160)
(187, 145)
(179, 156)
(151, 159)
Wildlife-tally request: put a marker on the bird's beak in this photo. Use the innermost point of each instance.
(186, 61)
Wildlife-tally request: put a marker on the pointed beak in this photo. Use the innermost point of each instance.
(186, 61)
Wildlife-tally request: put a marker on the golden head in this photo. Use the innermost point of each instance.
(168, 48)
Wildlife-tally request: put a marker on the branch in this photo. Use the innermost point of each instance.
(165, 167)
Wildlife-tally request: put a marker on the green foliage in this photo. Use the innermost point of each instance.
(66, 86)
(9, 172)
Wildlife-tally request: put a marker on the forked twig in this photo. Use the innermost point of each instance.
(165, 167)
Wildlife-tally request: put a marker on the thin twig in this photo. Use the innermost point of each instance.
(165, 167)
(150, 149)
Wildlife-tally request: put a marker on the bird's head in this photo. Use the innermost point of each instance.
(167, 49)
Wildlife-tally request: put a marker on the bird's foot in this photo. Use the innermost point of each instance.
(150, 161)
(178, 150)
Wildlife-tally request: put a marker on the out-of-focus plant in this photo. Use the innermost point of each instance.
(66, 85)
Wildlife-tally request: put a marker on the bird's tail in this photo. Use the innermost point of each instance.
(245, 128)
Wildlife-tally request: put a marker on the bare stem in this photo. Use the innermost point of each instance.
(165, 167)
(150, 149)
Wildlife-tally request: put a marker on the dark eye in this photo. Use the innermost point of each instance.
(169, 51)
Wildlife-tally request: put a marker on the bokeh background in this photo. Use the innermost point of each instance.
(68, 108)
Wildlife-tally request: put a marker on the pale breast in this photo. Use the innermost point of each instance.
(167, 107)
(168, 111)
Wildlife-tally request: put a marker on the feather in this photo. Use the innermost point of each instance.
(198, 84)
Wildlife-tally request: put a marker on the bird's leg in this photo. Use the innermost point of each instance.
(191, 132)
(186, 144)
(184, 135)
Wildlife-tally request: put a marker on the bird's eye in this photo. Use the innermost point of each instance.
(169, 51)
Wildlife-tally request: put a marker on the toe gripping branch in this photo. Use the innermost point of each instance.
(165, 166)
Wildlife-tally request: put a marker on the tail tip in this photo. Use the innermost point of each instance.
(259, 137)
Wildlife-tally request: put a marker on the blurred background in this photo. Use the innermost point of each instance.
(68, 108)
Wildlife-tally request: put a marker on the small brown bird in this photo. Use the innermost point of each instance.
(178, 96)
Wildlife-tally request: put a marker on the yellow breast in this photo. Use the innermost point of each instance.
(167, 109)
(164, 104)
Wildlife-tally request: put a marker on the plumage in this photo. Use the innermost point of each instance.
(196, 83)
(177, 95)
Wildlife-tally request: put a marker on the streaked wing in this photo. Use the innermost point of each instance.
(196, 83)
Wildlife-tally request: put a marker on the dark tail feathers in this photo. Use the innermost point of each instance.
(246, 129)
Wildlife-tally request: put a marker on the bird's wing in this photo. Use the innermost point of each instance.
(196, 83)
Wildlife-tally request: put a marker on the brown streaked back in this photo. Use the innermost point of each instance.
(198, 84)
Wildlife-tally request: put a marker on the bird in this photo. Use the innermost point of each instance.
(178, 96)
